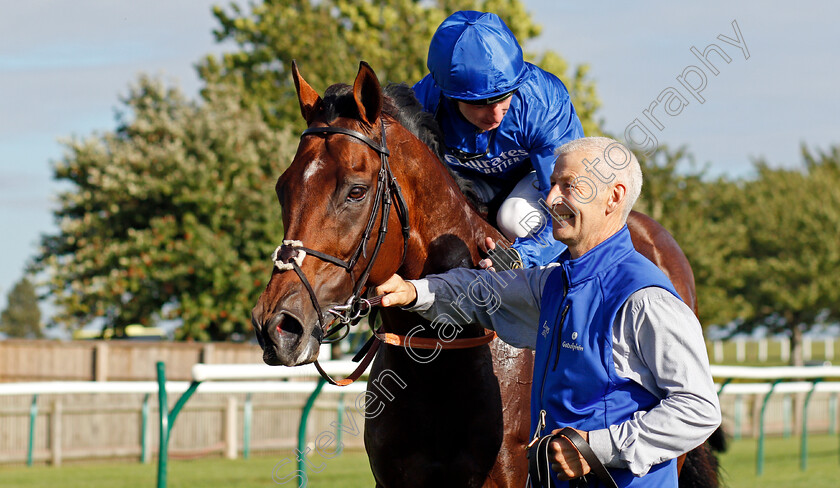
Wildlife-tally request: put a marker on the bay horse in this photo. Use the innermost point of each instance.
(361, 168)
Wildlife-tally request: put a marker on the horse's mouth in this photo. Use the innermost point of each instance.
(284, 341)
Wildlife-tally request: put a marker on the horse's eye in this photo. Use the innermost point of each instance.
(357, 193)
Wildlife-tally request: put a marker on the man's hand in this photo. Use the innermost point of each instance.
(397, 292)
(565, 458)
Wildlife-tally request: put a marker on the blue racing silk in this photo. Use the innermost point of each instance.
(575, 381)
(474, 56)
(540, 119)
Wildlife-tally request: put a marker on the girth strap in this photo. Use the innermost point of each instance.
(434, 343)
(368, 350)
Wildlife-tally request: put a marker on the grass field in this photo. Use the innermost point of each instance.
(781, 463)
(350, 470)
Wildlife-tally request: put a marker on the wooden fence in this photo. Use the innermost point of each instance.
(101, 426)
(111, 425)
(44, 360)
(775, 350)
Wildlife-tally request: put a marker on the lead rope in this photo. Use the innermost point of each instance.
(539, 463)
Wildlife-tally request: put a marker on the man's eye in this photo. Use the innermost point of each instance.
(357, 193)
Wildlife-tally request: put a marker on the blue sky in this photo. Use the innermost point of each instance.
(64, 66)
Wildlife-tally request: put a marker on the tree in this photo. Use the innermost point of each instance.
(705, 217)
(172, 215)
(792, 261)
(765, 250)
(22, 316)
(329, 37)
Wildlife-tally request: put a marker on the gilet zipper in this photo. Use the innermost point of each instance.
(557, 330)
(560, 334)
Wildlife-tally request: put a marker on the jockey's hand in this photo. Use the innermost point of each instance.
(487, 263)
(566, 461)
(397, 292)
(506, 257)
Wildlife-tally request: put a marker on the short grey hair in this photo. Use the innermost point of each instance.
(629, 173)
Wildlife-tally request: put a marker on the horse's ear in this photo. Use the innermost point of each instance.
(368, 93)
(310, 101)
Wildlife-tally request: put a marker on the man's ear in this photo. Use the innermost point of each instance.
(616, 197)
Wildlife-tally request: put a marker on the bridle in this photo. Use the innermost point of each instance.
(289, 255)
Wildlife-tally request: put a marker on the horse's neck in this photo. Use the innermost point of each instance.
(449, 231)
(446, 232)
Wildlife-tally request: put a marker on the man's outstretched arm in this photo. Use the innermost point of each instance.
(507, 302)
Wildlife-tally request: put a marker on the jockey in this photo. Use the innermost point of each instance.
(502, 119)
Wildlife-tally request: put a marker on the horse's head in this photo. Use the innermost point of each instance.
(335, 201)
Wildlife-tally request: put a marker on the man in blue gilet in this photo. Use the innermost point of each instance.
(502, 119)
(619, 357)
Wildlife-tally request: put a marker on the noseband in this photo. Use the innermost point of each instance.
(289, 255)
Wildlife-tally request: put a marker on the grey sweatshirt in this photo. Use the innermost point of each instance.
(657, 342)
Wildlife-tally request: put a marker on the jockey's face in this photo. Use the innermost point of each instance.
(485, 117)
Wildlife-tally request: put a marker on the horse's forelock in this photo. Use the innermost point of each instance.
(338, 102)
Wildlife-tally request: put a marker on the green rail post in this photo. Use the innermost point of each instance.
(304, 417)
(167, 419)
(803, 450)
(33, 415)
(163, 408)
(759, 462)
(723, 385)
(247, 415)
(144, 451)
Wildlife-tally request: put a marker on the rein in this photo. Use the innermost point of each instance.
(290, 254)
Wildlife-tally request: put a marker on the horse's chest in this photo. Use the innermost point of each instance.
(442, 429)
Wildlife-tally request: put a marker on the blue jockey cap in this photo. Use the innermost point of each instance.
(474, 57)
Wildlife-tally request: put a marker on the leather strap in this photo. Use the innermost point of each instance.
(539, 465)
(356, 374)
(434, 343)
(368, 350)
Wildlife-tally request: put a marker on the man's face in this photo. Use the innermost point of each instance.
(485, 117)
(578, 205)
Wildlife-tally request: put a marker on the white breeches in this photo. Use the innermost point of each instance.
(519, 213)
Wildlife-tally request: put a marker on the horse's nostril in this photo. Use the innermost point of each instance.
(288, 324)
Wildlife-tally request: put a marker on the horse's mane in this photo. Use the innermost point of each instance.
(400, 103)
